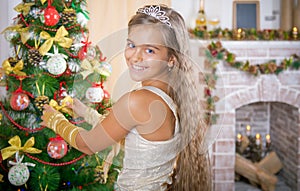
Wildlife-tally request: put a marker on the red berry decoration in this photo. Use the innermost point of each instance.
(51, 16)
(19, 101)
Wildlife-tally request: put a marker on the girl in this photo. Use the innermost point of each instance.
(161, 121)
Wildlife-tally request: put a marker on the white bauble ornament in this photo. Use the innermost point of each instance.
(56, 65)
(18, 174)
(94, 94)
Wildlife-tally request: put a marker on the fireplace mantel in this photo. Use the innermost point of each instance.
(236, 88)
(254, 51)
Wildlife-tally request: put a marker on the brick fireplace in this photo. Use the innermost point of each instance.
(269, 103)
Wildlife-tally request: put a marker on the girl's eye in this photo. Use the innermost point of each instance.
(130, 45)
(150, 51)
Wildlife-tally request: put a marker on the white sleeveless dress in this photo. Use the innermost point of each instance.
(148, 165)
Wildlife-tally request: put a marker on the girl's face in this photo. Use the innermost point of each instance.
(146, 56)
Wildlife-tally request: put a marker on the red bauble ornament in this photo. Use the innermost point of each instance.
(57, 147)
(51, 16)
(87, 52)
(19, 101)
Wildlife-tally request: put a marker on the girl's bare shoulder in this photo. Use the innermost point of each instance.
(139, 102)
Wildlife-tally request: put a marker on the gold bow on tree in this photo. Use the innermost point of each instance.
(15, 143)
(16, 69)
(59, 38)
(23, 8)
(91, 67)
(62, 107)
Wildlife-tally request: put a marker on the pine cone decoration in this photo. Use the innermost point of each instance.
(40, 101)
(68, 16)
(34, 57)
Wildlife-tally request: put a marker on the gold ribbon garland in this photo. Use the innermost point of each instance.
(15, 143)
(23, 8)
(62, 107)
(60, 38)
(16, 69)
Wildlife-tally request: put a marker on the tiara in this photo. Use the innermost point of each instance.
(154, 11)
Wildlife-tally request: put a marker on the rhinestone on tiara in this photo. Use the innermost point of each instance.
(154, 11)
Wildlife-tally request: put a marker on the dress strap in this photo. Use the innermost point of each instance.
(167, 99)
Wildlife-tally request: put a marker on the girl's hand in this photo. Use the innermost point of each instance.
(78, 107)
(47, 112)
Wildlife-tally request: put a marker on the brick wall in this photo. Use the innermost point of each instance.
(284, 122)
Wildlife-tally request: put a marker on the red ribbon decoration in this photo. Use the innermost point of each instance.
(49, 3)
(97, 84)
(57, 138)
(60, 90)
(20, 90)
(86, 44)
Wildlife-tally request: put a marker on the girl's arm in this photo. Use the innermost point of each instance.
(125, 114)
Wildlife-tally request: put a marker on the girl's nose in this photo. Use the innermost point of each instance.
(137, 56)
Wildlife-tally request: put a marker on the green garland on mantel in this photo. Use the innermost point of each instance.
(216, 52)
(245, 34)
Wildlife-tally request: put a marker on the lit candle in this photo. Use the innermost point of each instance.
(257, 141)
(295, 32)
(268, 141)
(238, 142)
(248, 130)
(239, 137)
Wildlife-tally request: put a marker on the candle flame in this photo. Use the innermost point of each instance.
(239, 136)
(248, 127)
(295, 29)
(257, 136)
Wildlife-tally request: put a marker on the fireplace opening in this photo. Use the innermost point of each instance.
(269, 128)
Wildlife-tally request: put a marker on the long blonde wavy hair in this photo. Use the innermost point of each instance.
(192, 171)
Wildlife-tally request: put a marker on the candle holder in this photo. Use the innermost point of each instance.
(251, 147)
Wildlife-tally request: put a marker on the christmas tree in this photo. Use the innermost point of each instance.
(52, 61)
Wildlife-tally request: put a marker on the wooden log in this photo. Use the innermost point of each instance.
(271, 163)
(255, 173)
